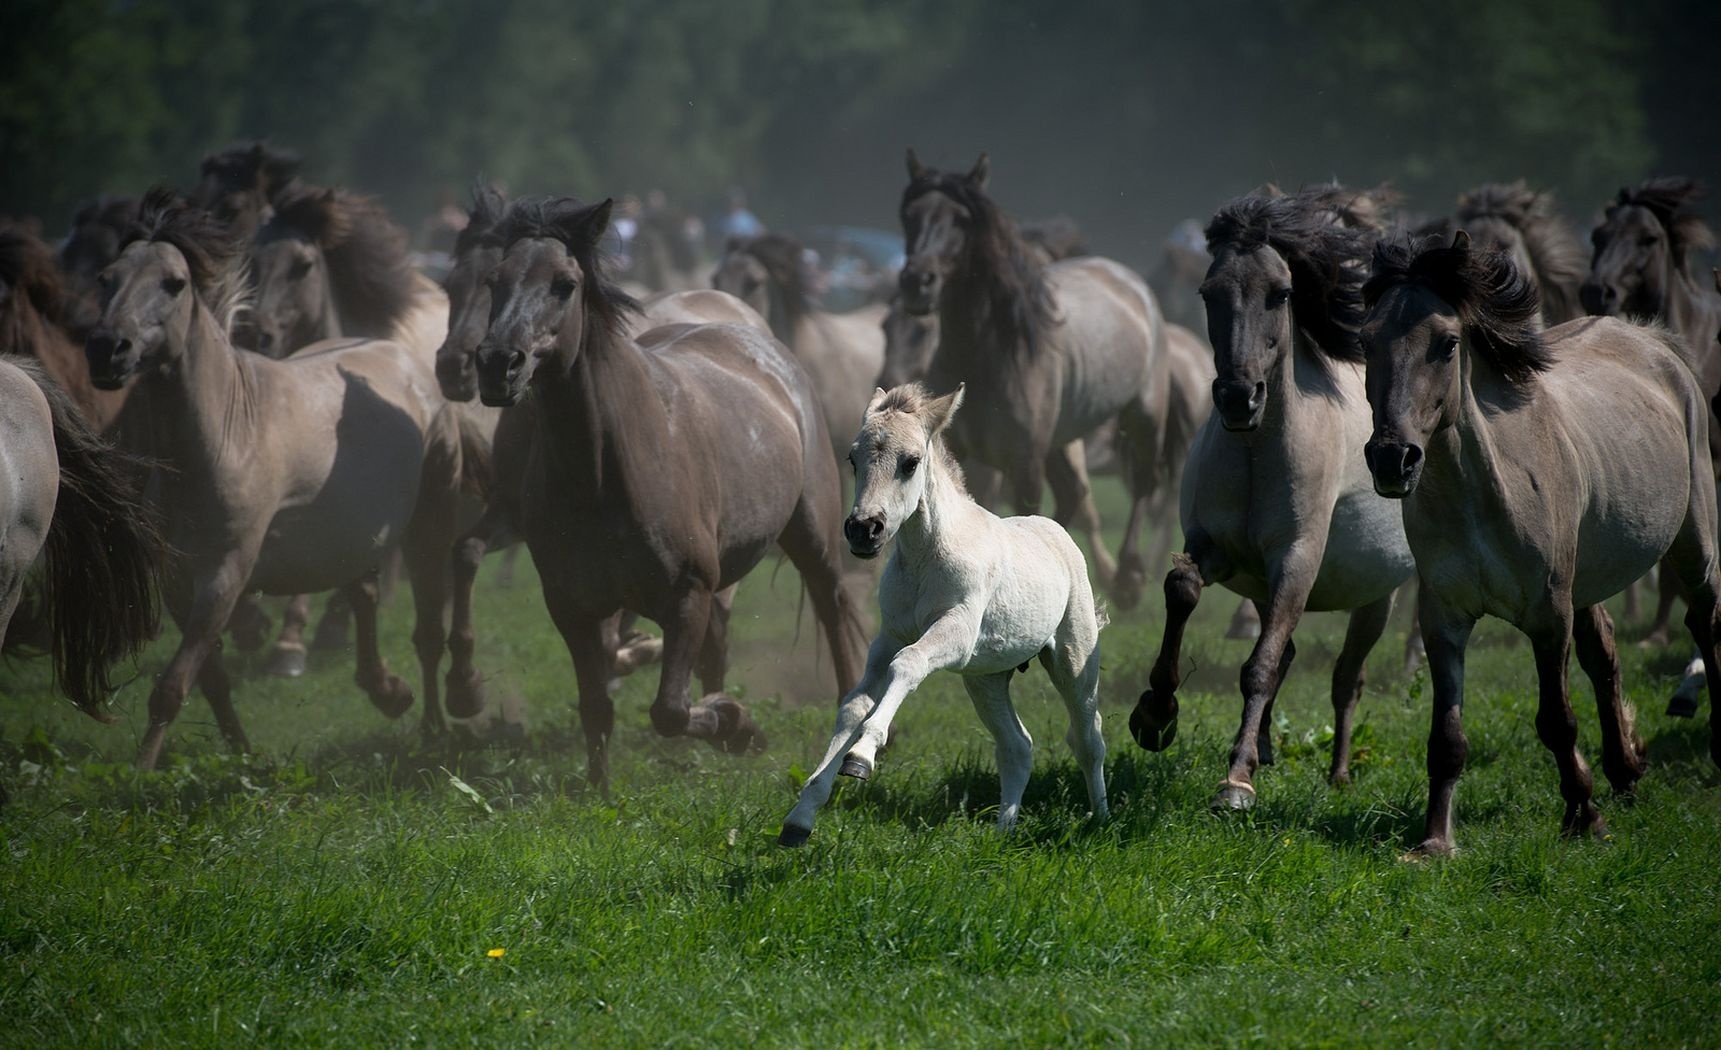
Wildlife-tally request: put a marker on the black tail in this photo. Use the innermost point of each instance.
(100, 597)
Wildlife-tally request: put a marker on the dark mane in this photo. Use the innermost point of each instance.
(784, 260)
(216, 260)
(1557, 256)
(1013, 303)
(489, 208)
(369, 266)
(1497, 304)
(1669, 199)
(568, 220)
(29, 272)
(1327, 257)
(257, 166)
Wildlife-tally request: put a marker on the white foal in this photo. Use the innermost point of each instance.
(964, 591)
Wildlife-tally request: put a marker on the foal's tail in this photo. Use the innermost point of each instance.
(102, 559)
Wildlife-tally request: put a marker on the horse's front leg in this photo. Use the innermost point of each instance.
(388, 692)
(591, 646)
(719, 720)
(1153, 723)
(851, 712)
(1262, 674)
(947, 643)
(1073, 498)
(287, 658)
(1445, 634)
(1621, 746)
(211, 604)
(1367, 624)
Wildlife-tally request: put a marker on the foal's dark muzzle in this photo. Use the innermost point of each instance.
(112, 359)
(865, 535)
(1396, 467)
(1239, 403)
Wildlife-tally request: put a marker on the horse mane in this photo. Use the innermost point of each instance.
(489, 208)
(1497, 303)
(1558, 258)
(1014, 299)
(569, 221)
(28, 268)
(1327, 257)
(217, 261)
(913, 399)
(255, 166)
(370, 268)
(1669, 199)
(784, 260)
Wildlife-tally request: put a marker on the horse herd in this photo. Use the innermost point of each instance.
(250, 389)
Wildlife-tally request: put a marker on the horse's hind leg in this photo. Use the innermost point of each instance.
(1667, 589)
(217, 688)
(429, 575)
(1073, 496)
(1557, 726)
(387, 691)
(1012, 745)
(713, 664)
(1621, 747)
(1129, 580)
(287, 658)
(1153, 723)
(723, 722)
(1367, 623)
(1074, 667)
(591, 645)
(465, 688)
(811, 540)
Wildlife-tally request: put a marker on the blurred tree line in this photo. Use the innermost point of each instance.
(1126, 115)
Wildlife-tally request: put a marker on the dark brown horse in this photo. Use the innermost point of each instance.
(661, 470)
(33, 297)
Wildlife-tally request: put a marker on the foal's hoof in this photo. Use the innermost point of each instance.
(857, 767)
(465, 694)
(793, 837)
(287, 660)
(393, 698)
(1233, 798)
(1153, 730)
(737, 733)
(1682, 706)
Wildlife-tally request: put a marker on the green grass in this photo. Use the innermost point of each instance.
(342, 887)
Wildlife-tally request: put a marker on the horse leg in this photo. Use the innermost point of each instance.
(1264, 755)
(1621, 746)
(1667, 590)
(946, 643)
(633, 647)
(1076, 676)
(590, 641)
(1073, 498)
(1153, 723)
(721, 721)
(331, 633)
(387, 691)
(287, 658)
(813, 541)
(1012, 746)
(1367, 624)
(1129, 580)
(201, 617)
(1028, 480)
(1694, 557)
(852, 711)
(464, 687)
(249, 624)
(217, 688)
(429, 576)
(1245, 625)
(985, 482)
(1415, 652)
(1259, 681)
(713, 663)
(1557, 726)
(505, 572)
(1445, 635)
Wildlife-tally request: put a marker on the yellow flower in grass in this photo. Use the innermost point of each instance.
(496, 953)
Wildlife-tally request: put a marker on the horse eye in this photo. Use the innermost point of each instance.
(1278, 297)
(562, 287)
(1448, 345)
(908, 465)
(173, 285)
(1647, 240)
(298, 270)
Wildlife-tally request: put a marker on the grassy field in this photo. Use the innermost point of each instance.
(351, 885)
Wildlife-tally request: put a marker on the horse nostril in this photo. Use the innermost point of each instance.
(1256, 395)
(516, 361)
(1412, 456)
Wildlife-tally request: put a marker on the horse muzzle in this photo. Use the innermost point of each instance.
(1239, 403)
(1599, 300)
(865, 535)
(1396, 467)
(501, 376)
(112, 360)
(919, 290)
(456, 375)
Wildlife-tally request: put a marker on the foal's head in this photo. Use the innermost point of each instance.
(175, 257)
(1425, 306)
(1639, 246)
(548, 295)
(476, 253)
(1281, 264)
(893, 456)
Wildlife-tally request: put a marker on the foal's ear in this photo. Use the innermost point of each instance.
(981, 171)
(915, 169)
(941, 411)
(1460, 241)
(877, 400)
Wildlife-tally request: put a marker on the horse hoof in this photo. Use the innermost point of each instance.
(394, 698)
(1149, 732)
(854, 766)
(1233, 798)
(1339, 778)
(794, 837)
(286, 661)
(1682, 706)
(1427, 849)
(737, 733)
(466, 697)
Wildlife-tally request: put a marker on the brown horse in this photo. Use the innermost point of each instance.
(842, 353)
(1052, 352)
(1520, 456)
(1523, 223)
(66, 496)
(93, 242)
(274, 476)
(661, 469)
(32, 299)
(238, 185)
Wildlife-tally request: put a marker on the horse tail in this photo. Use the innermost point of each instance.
(477, 467)
(101, 598)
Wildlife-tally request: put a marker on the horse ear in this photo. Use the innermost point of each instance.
(877, 399)
(1460, 241)
(981, 171)
(944, 409)
(590, 224)
(916, 170)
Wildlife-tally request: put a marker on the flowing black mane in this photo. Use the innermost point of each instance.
(1669, 199)
(1013, 302)
(1559, 259)
(1327, 257)
(1497, 303)
(215, 258)
(579, 227)
(489, 208)
(369, 265)
(784, 260)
